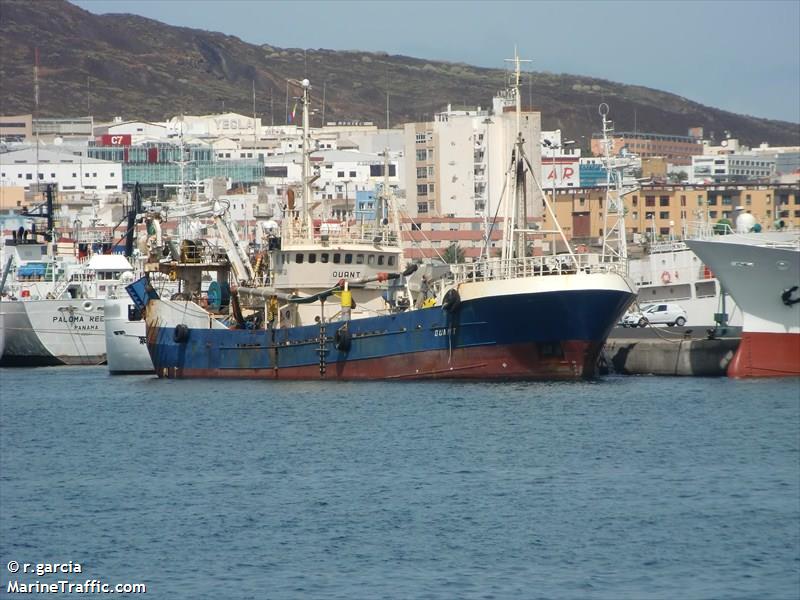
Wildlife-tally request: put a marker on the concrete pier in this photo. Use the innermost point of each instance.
(669, 351)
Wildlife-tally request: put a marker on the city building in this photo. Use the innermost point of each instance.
(16, 128)
(661, 210)
(25, 168)
(456, 165)
(676, 149)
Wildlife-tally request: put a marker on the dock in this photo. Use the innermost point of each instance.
(686, 351)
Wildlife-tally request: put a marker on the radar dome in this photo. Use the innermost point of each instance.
(745, 223)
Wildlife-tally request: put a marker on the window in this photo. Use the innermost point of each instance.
(421, 154)
(683, 200)
(727, 200)
(348, 259)
(371, 259)
(312, 257)
(74, 175)
(422, 172)
(712, 214)
(664, 214)
(663, 201)
(649, 200)
(422, 190)
(28, 176)
(422, 207)
(430, 172)
(421, 138)
(664, 230)
(276, 171)
(390, 261)
(430, 154)
(430, 188)
(380, 257)
(111, 187)
(41, 175)
(635, 201)
(337, 258)
(324, 257)
(359, 259)
(352, 173)
(298, 258)
(340, 173)
(712, 201)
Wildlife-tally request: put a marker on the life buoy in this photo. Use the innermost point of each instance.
(666, 277)
(181, 334)
(87, 306)
(451, 301)
(343, 339)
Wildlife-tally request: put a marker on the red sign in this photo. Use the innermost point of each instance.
(114, 140)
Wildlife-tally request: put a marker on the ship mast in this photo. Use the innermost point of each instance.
(307, 178)
(516, 214)
(615, 246)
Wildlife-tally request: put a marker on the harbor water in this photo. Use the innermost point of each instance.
(624, 487)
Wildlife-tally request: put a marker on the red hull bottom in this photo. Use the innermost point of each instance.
(766, 355)
(519, 361)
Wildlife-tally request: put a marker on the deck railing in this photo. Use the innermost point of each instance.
(536, 266)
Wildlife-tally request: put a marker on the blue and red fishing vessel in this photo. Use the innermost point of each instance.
(337, 301)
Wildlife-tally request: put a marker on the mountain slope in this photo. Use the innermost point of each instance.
(139, 68)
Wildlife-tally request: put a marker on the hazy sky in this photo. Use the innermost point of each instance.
(740, 56)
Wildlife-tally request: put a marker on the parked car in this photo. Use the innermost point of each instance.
(666, 314)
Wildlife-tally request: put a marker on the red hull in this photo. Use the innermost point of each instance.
(519, 361)
(766, 355)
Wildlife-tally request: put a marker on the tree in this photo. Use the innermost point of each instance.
(453, 255)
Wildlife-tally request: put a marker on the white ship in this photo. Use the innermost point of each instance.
(762, 273)
(61, 320)
(671, 272)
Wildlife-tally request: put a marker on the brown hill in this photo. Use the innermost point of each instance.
(139, 68)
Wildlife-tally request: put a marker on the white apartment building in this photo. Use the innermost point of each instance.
(457, 164)
(70, 172)
(731, 167)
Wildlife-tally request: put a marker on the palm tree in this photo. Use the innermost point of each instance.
(453, 255)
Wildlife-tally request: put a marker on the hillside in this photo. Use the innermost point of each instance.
(140, 68)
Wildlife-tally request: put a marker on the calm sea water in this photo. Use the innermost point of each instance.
(638, 487)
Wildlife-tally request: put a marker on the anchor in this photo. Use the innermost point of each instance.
(786, 296)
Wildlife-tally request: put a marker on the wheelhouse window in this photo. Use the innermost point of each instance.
(359, 259)
(298, 258)
(337, 258)
(348, 259)
(380, 259)
(390, 261)
(371, 259)
(324, 257)
(312, 257)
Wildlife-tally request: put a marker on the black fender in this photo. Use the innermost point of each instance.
(181, 334)
(451, 301)
(343, 339)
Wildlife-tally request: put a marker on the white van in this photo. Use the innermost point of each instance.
(665, 314)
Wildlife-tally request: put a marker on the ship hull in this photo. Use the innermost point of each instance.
(766, 355)
(757, 274)
(508, 334)
(126, 351)
(53, 332)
